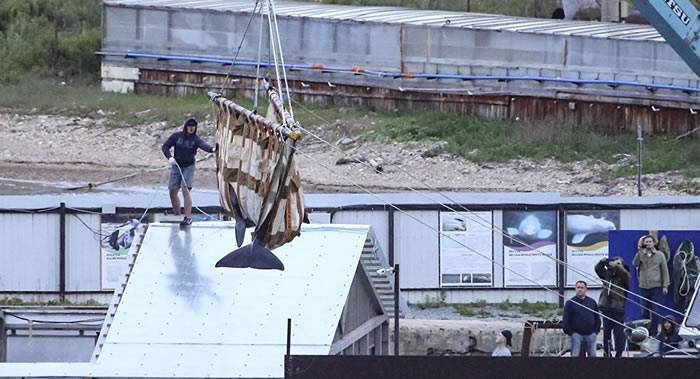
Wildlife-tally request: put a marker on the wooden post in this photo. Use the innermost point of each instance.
(527, 337)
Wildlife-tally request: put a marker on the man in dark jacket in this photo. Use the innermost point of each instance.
(616, 282)
(581, 321)
(186, 143)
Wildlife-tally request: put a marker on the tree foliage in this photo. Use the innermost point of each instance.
(49, 37)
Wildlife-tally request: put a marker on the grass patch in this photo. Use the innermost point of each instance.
(433, 302)
(46, 96)
(469, 310)
(691, 187)
(540, 309)
(482, 309)
(470, 137)
(482, 140)
(14, 301)
(478, 309)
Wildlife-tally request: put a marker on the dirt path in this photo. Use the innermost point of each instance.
(71, 151)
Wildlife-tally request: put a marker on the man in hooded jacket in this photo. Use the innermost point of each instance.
(616, 281)
(186, 143)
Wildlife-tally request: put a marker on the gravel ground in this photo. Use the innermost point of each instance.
(60, 149)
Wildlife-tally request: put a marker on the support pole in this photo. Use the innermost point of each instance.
(288, 357)
(390, 249)
(562, 256)
(396, 309)
(289, 336)
(62, 253)
(640, 147)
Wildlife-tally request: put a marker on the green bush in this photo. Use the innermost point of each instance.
(49, 37)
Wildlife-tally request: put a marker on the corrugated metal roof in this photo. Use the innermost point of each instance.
(395, 15)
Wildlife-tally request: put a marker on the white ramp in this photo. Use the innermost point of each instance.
(181, 317)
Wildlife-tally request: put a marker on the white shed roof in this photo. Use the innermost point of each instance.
(181, 317)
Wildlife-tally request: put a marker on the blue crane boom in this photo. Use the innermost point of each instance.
(679, 23)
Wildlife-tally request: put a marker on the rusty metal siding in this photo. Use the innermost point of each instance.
(608, 117)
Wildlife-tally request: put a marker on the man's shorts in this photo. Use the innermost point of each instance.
(176, 180)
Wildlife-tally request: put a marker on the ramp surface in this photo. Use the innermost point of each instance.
(181, 317)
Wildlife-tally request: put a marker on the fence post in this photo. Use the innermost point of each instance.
(527, 338)
(62, 253)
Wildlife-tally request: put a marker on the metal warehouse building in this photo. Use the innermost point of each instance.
(48, 265)
(385, 57)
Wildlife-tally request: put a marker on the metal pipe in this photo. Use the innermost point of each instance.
(390, 248)
(289, 337)
(402, 76)
(640, 146)
(562, 255)
(288, 356)
(396, 309)
(62, 253)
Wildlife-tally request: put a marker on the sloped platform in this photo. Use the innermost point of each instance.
(178, 316)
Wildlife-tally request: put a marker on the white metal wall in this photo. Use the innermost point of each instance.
(417, 248)
(29, 252)
(660, 219)
(498, 249)
(83, 252)
(378, 220)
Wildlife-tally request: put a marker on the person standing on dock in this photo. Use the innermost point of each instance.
(581, 321)
(186, 143)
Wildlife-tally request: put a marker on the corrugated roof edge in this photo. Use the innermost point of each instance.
(339, 201)
(397, 15)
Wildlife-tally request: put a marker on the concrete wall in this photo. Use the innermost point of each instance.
(470, 337)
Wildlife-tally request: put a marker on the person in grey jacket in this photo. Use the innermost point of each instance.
(654, 279)
(616, 281)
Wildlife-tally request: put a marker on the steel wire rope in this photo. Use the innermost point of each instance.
(83, 322)
(493, 261)
(257, 66)
(240, 45)
(187, 188)
(484, 222)
(273, 49)
(284, 70)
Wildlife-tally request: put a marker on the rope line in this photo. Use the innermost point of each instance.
(483, 222)
(493, 261)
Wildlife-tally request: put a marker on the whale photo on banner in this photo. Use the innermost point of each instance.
(587, 243)
(461, 266)
(536, 261)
